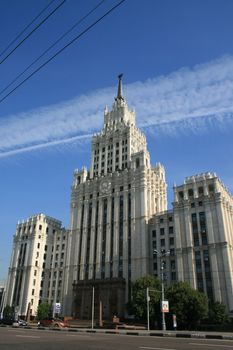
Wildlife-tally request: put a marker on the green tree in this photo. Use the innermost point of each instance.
(44, 310)
(8, 311)
(189, 305)
(217, 313)
(138, 304)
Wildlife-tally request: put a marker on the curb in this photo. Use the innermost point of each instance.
(136, 333)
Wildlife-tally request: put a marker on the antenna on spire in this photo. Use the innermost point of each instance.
(120, 91)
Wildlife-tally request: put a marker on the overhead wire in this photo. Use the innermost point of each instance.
(29, 34)
(51, 46)
(27, 26)
(63, 48)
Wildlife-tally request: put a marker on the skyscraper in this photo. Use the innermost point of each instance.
(110, 208)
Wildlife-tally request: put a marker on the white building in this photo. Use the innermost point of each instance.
(110, 208)
(37, 263)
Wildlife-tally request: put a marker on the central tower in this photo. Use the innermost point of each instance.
(110, 208)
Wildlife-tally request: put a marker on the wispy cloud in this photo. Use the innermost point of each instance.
(187, 96)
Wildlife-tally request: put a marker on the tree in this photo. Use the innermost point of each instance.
(8, 311)
(217, 313)
(138, 305)
(44, 310)
(189, 305)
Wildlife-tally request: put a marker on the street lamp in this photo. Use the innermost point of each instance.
(163, 253)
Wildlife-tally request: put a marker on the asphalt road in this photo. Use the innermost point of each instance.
(33, 339)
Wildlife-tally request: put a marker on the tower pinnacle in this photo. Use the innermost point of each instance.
(119, 92)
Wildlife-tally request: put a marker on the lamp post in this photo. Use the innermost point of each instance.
(148, 308)
(161, 256)
(93, 307)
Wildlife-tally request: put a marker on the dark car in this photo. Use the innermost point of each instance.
(7, 321)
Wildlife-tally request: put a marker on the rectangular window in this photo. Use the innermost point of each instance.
(162, 231)
(171, 241)
(173, 264)
(170, 230)
(162, 242)
(173, 275)
(154, 233)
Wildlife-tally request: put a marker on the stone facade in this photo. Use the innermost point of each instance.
(36, 272)
(111, 206)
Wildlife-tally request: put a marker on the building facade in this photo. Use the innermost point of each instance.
(110, 208)
(37, 264)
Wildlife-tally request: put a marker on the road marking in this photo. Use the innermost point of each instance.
(78, 335)
(26, 336)
(208, 344)
(147, 347)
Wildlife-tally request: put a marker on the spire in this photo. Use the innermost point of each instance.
(119, 92)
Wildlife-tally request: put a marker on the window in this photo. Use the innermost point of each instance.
(172, 252)
(200, 203)
(211, 188)
(121, 188)
(161, 220)
(34, 282)
(154, 233)
(137, 162)
(162, 231)
(171, 241)
(192, 205)
(40, 227)
(170, 230)
(173, 275)
(47, 229)
(162, 242)
(173, 264)
(190, 192)
(170, 218)
(200, 190)
(35, 272)
(33, 291)
(181, 194)
(38, 245)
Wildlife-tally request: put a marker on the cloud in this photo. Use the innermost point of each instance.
(189, 96)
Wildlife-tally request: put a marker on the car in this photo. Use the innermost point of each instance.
(53, 322)
(7, 321)
(22, 322)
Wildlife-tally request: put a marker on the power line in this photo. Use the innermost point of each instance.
(63, 48)
(28, 35)
(27, 26)
(51, 46)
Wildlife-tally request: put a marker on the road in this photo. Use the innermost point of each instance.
(33, 339)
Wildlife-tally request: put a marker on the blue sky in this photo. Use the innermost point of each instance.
(177, 60)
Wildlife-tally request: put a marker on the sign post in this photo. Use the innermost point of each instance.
(56, 308)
